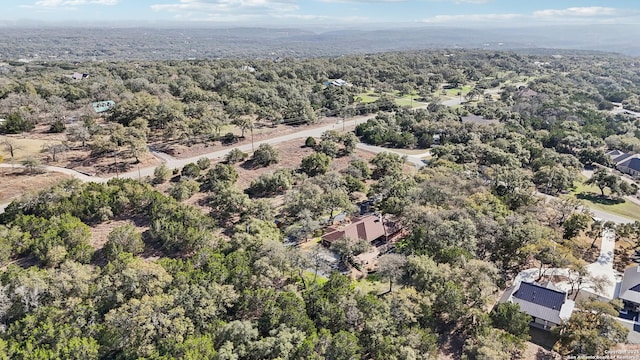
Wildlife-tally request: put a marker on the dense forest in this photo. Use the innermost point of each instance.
(232, 274)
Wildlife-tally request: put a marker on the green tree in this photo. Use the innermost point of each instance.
(184, 189)
(203, 163)
(603, 179)
(123, 238)
(161, 174)
(271, 183)
(591, 331)
(15, 124)
(328, 147)
(141, 327)
(344, 345)
(553, 180)
(387, 164)
(235, 156)
(508, 316)
(221, 175)
(574, 224)
(191, 170)
(265, 155)
(316, 164)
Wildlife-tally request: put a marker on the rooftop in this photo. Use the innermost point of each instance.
(544, 302)
(630, 286)
(367, 228)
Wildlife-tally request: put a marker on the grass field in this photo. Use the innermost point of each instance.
(368, 97)
(454, 92)
(591, 197)
(24, 148)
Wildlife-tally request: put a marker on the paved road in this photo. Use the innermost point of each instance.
(415, 159)
(174, 163)
(619, 109)
(73, 173)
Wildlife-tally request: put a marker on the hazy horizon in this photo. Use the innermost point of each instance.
(335, 14)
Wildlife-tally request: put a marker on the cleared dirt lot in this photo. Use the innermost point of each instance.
(13, 182)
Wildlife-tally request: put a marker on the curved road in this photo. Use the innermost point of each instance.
(174, 163)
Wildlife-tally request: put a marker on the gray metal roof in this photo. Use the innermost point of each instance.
(542, 302)
(619, 159)
(632, 163)
(630, 287)
(540, 295)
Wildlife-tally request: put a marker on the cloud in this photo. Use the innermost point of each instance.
(471, 18)
(465, 1)
(578, 12)
(59, 3)
(362, 1)
(213, 8)
(573, 15)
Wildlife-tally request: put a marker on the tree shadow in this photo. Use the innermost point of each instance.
(599, 199)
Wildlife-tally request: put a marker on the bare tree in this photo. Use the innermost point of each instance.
(11, 146)
(392, 266)
(79, 133)
(54, 149)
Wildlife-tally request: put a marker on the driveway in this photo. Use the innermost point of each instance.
(602, 268)
(73, 173)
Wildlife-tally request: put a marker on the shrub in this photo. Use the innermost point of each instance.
(265, 155)
(310, 142)
(203, 163)
(191, 170)
(123, 239)
(316, 164)
(235, 156)
(15, 124)
(161, 174)
(57, 127)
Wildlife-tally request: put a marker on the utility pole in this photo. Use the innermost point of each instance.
(115, 155)
(251, 128)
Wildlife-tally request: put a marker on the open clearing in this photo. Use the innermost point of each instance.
(15, 183)
(24, 148)
(590, 197)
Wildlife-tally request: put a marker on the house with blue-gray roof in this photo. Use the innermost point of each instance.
(630, 289)
(547, 305)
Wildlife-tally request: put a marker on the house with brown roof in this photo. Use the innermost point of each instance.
(371, 228)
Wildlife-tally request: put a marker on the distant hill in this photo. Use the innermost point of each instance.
(126, 43)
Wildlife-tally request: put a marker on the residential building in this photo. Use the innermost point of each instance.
(79, 76)
(547, 305)
(628, 163)
(371, 228)
(630, 289)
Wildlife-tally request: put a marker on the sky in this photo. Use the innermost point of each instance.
(329, 13)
